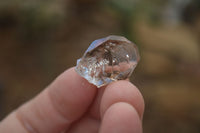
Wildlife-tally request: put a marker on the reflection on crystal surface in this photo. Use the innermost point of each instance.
(108, 59)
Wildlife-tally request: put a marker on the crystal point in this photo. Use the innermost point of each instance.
(108, 59)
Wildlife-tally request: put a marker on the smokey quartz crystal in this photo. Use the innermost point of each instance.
(108, 59)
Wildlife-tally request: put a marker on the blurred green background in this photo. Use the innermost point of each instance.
(39, 39)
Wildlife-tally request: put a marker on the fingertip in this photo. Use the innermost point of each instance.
(71, 91)
(121, 118)
(122, 91)
(70, 76)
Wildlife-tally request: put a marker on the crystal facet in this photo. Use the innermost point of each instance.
(108, 59)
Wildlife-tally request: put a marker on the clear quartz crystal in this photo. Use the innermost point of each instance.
(108, 59)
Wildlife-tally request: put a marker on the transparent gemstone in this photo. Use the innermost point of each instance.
(108, 59)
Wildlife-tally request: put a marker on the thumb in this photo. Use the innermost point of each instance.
(53, 110)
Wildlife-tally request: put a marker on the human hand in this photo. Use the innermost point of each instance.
(72, 105)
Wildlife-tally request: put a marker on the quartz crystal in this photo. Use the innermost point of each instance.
(108, 59)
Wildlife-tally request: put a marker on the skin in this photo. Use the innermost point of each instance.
(71, 105)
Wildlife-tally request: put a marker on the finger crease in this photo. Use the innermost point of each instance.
(59, 112)
(25, 124)
(124, 101)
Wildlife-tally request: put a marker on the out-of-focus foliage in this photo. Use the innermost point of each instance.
(41, 38)
(32, 17)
